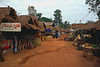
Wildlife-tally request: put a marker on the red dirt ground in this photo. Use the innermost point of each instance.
(53, 53)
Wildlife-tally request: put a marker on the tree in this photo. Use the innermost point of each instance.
(89, 21)
(66, 24)
(45, 19)
(61, 25)
(57, 16)
(94, 6)
(39, 16)
(31, 10)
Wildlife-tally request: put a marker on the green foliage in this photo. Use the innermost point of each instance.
(32, 7)
(45, 19)
(57, 16)
(30, 10)
(30, 14)
(89, 21)
(39, 15)
(61, 25)
(81, 23)
(94, 6)
(74, 23)
(94, 45)
(66, 24)
(53, 25)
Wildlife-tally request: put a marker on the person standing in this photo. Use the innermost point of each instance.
(15, 44)
(56, 34)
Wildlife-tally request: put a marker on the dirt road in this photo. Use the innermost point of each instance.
(53, 53)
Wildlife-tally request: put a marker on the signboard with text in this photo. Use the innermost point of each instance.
(10, 27)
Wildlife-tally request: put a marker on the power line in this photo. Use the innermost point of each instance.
(85, 16)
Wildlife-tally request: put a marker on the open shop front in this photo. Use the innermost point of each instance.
(10, 32)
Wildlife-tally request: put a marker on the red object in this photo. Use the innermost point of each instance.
(65, 38)
(12, 47)
(6, 47)
(67, 35)
(18, 25)
(22, 45)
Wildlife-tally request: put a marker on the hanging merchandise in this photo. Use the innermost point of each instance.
(11, 43)
(28, 43)
(5, 44)
(19, 46)
(23, 44)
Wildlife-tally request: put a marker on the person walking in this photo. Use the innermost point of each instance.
(58, 35)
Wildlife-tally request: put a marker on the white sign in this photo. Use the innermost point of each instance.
(14, 27)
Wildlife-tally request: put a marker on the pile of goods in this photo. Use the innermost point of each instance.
(88, 52)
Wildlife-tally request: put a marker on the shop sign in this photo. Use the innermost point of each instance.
(13, 27)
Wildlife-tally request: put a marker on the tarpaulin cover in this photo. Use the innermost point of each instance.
(47, 29)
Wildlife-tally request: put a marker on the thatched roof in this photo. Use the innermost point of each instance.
(56, 28)
(89, 26)
(8, 14)
(24, 18)
(77, 26)
(36, 22)
(33, 26)
(27, 21)
(42, 25)
(97, 25)
(47, 26)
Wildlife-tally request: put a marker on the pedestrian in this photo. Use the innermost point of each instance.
(56, 35)
(59, 34)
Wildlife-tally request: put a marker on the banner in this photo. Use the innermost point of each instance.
(13, 27)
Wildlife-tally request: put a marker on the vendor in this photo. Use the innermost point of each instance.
(79, 40)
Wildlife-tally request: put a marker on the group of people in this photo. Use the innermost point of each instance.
(56, 35)
(78, 37)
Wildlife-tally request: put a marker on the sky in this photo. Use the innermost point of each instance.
(72, 10)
